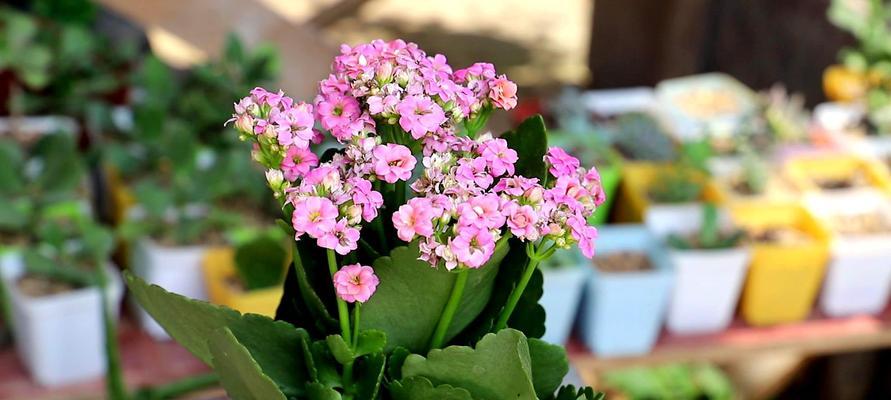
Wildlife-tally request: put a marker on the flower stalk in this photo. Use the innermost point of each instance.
(515, 295)
(445, 320)
(343, 313)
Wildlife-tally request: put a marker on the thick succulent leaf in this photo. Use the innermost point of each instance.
(339, 349)
(411, 296)
(308, 293)
(394, 363)
(549, 366)
(498, 368)
(530, 140)
(325, 365)
(420, 388)
(240, 375)
(318, 391)
(570, 392)
(370, 374)
(274, 345)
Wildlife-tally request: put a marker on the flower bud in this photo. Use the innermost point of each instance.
(244, 123)
(534, 194)
(275, 178)
(354, 214)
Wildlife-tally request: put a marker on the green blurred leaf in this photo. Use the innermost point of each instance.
(260, 262)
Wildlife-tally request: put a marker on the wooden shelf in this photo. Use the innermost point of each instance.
(817, 335)
(146, 362)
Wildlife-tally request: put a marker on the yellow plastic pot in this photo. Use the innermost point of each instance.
(637, 178)
(122, 198)
(803, 171)
(219, 269)
(844, 84)
(783, 280)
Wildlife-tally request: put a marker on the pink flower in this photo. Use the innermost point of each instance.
(593, 184)
(355, 283)
(294, 126)
(503, 93)
(415, 218)
(393, 162)
(419, 115)
(473, 246)
(562, 164)
(297, 162)
(314, 216)
(336, 112)
(498, 156)
(342, 239)
(584, 234)
(363, 195)
(473, 172)
(481, 211)
(522, 221)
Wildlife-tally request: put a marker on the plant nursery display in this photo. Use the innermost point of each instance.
(711, 262)
(627, 292)
(673, 381)
(836, 172)
(639, 137)
(409, 279)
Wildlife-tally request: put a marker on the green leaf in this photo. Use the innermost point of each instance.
(395, 362)
(340, 349)
(420, 388)
(370, 341)
(498, 368)
(570, 392)
(549, 366)
(411, 297)
(325, 365)
(370, 374)
(261, 262)
(302, 303)
(14, 214)
(240, 374)
(274, 345)
(530, 140)
(317, 391)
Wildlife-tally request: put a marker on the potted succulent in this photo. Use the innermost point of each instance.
(248, 278)
(64, 298)
(710, 261)
(699, 106)
(627, 294)
(858, 279)
(671, 381)
(674, 192)
(564, 277)
(581, 136)
(790, 250)
(396, 293)
(834, 173)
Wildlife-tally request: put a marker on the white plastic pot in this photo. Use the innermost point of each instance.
(620, 101)
(707, 282)
(60, 338)
(858, 279)
(176, 269)
(561, 298)
(622, 312)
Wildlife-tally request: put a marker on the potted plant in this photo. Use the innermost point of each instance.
(671, 381)
(248, 278)
(790, 250)
(836, 173)
(65, 298)
(710, 263)
(395, 293)
(858, 278)
(675, 192)
(564, 277)
(627, 294)
(697, 107)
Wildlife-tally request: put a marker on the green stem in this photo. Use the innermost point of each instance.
(179, 388)
(356, 311)
(518, 291)
(342, 311)
(400, 193)
(114, 380)
(445, 320)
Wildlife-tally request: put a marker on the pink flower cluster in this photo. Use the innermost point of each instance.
(355, 282)
(398, 83)
(470, 197)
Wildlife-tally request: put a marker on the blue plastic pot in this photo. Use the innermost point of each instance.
(622, 312)
(562, 294)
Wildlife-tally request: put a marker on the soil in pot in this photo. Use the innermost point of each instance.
(33, 285)
(781, 236)
(868, 223)
(623, 261)
(856, 180)
(724, 240)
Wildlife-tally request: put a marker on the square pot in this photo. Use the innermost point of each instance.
(783, 279)
(725, 169)
(707, 282)
(176, 269)
(219, 267)
(802, 171)
(637, 178)
(858, 280)
(622, 312)
(60, 338)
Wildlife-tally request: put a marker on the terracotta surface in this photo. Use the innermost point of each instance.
(146, 362)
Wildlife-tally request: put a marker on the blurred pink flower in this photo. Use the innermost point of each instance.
(503, 93)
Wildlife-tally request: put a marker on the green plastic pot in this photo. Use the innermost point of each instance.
(609, 178)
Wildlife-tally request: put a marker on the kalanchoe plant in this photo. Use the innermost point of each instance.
(710, 235)
(396, 259)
